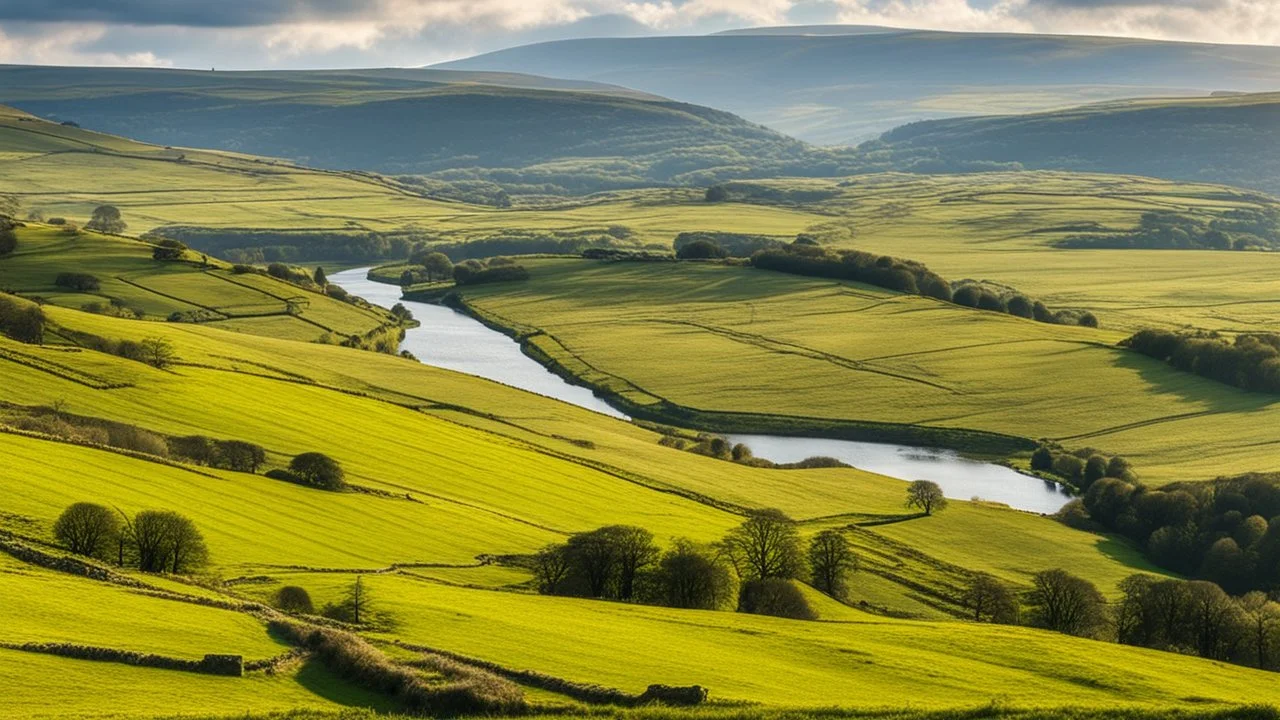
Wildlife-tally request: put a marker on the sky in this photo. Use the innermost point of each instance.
(249, 34)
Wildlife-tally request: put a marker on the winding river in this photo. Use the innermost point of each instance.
(449, 339)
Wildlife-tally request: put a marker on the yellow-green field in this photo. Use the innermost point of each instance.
(127, 274)
(721, 338)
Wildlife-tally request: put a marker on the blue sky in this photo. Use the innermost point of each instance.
(367, 33)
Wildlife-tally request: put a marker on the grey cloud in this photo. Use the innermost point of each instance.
(188, 13)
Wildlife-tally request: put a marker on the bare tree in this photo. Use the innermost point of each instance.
(831, 561)
(765, 546)
(926, 496)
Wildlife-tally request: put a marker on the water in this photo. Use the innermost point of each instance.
(959, 477)
(449, 339)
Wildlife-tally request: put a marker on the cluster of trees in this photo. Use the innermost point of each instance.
(249, 246)
(236, 455)
(356, 605)
(313, 469)
(21, 319)
(753, 565)
(151, 540)
(806, 257)
(116, 307)
(153, 350)
(106, 219)
(718, 447)
(1251, 361)
(1226, 531)
(168, 249)
(499, 269)
(427, 265)
(1199, 618)
(79, 282)
(517, 241)
(1239, 229)
(722, 244)
(1080, 468)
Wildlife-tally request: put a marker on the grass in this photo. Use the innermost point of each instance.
(739, 340)
(127, 274)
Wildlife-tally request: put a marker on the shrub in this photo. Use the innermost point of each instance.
(198, 449)
(701, 250)
(168, 249)
(21, 319)
(294, 599)
(318, 470)
(132, 437)
(778, 597)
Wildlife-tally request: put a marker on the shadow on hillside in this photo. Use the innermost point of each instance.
(324, 683)
(1213, 396)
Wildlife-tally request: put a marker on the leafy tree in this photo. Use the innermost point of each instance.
(436, 265)
(199, 449)
(635, 553)
(551, 568)
(1042, 459)
(320, 278)
(106, 219)
(1261, 617)
(318, 470)
(926, 496)
(8, 238)
(158, 352)
(1022, 306)
(168, 249)
(294, 599)
(766, 545)
(1095, 468)
(165, 541)
(88, 529)
(990, 600)
(21, 319)
(1067, 604)
(701, 250)
(240, 456)
(774, 596)
(831, 561)
(407, 278)
(717, 193)
(594, 557)
(689, 577)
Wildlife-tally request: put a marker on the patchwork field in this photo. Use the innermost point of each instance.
(741, 340)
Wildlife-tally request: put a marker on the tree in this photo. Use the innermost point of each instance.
(240, 456)
(550, 568)
(88, 529)
(635, 552)
(990, 600)
(594, 556)
(320, 278)
(294, 599)
(1214, 619)
(926, 496)
(157, 352)
(765, 546)
(717, 193)
(106, 218)
(831, 561)
(701, 250)
(356, 605)
(168, 249)
(407, 278)
(1067, 604)
(437, 265)
(1095, 468)
(199, 449)
(166, 541)
(690, 577)
(1042, 459)
(318, 470)
(1262, 624)
(775, 596)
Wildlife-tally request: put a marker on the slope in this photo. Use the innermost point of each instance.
(846, 88)
(1226, 139)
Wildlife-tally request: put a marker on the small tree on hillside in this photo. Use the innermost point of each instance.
(926, 496)
(691, 577)
(320, 278)
(990, 600)
(88, 529)
(158, 352)
(766, 545)
(106, 218)
(1068, 604)
(240, 456)
(831, 561)
(356, 605)
(594, 556)
(168, 249)
(550, 568)
(318, 470)
(292, 598)
(165, 541)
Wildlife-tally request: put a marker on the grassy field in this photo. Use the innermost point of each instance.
(128, 275)
(741, 340)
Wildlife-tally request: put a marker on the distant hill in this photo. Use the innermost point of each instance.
(1233, 139)
(813, 30)
(525, 132)
(846, 88)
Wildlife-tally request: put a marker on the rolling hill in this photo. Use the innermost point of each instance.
(1228, 139)
(840, 89)
(549, 135)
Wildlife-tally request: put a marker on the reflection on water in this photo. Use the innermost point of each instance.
(451, 340)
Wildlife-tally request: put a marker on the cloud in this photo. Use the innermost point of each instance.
(335, 33)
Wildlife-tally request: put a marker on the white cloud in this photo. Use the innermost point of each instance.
(65, 45)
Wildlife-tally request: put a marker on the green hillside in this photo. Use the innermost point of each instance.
(1229, 139)
(846, 88)
(529, 134)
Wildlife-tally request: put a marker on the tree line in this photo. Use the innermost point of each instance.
(805, 256)
(1080, 468)
(1238, 229)
(151, 540)
(1251, 361)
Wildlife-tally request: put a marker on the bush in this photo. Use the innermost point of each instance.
(318, 470)
(294, 599)
(700, 250)
(168, 249)
(21, 319)
(775, 596)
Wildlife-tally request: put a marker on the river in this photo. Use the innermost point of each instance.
(449, 339)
